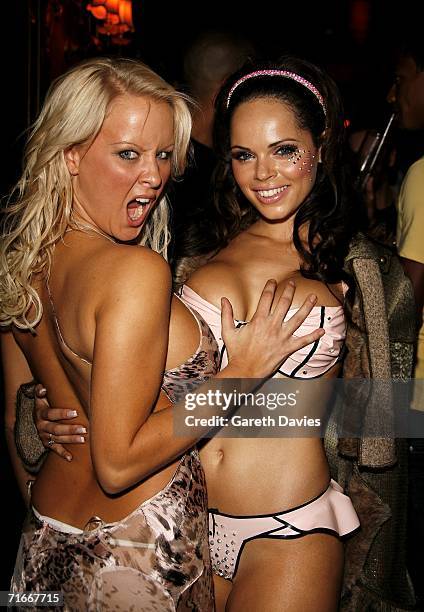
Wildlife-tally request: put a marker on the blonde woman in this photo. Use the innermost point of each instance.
(87, 313)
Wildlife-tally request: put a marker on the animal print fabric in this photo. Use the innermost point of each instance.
(157, 558)
(197, 369)
(154, 560)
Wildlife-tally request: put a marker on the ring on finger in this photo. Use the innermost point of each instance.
(51, 441)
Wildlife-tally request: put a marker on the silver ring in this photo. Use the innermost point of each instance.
(51, 441)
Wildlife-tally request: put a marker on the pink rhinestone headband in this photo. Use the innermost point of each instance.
(281, 73)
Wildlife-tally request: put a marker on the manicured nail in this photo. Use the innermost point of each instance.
(81, 430)
(312, 298)
(81, 439)
(71, 414)
(68, 457)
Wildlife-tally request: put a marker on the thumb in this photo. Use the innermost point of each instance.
(227, 317)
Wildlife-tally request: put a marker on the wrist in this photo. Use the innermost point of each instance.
(246, 381)
(235, 369)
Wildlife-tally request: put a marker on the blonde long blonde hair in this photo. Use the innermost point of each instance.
(40, 206)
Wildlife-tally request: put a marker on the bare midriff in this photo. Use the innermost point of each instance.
(261, 476)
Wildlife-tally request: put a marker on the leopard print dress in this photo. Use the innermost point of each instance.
(154, 560)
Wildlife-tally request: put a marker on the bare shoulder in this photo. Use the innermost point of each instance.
(135, 253)
(132, 272)
(128, 259)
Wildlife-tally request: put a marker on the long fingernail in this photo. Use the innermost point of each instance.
(71, 414)
(81, 430)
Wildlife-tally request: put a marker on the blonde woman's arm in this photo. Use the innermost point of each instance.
(128, 440)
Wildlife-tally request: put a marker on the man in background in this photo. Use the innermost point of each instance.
(208, 60)
(407, 95)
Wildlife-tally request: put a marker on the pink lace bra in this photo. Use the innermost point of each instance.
(309, 362)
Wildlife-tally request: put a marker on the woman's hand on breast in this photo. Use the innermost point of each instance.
(257, 349)
(53, 434)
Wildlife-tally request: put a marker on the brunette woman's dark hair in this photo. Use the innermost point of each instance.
(327, 210)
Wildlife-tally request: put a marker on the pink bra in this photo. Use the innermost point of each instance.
(309, 362)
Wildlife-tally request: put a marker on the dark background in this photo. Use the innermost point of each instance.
(352, 39)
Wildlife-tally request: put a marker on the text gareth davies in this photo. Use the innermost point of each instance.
(238, 421)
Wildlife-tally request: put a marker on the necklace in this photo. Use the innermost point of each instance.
(87, 228)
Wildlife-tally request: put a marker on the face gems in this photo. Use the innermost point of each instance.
(310, 165)
(306, 159)
(297, 156)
